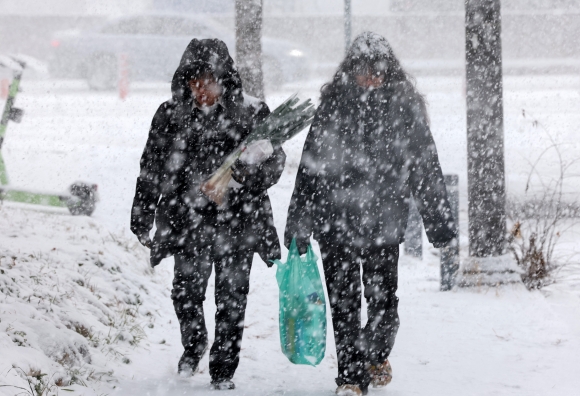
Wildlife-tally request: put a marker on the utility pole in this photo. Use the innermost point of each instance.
(347, 24)
(249, 46)
(485, 141)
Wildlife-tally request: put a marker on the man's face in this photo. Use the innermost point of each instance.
(205, 90)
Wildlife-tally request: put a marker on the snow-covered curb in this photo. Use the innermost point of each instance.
(489, 271)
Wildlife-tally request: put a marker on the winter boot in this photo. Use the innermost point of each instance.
(381, 374)
(349, 390)
(188, 365)
(189, 362)
(223, 385)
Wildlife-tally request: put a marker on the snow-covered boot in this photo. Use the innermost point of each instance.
(189, 363)
(223, 385)
(349, 390)
(381, 374)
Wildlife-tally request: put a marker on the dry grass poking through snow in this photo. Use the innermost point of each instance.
(75, 301)
(548, 208)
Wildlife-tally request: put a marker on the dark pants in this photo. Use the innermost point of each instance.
(232, 278)
(357, 347)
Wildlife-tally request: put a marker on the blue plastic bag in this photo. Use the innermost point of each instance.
(302, 308)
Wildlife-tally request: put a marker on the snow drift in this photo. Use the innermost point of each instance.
(75, 300)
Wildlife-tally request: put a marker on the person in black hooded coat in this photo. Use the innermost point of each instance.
(368, 151)
(187, 143)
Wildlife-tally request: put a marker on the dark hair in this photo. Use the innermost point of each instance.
(370, 53)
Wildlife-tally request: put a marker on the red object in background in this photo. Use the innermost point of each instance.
(55, 43)
(4, 88)
(123, 76)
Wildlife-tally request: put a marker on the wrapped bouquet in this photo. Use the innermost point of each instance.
(281, 125)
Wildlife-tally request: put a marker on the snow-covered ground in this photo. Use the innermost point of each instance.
(76, 301)
(478, 341)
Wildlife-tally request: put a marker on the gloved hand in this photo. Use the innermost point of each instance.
(144, 239)
(242, 171)
(301, 244)
(249, 162)
(450, 243)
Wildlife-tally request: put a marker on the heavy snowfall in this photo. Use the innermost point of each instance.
(83, 312)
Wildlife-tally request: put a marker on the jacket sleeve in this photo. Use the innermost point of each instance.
(426, 179)
(148, 188)
(258, 178)
(299, 222)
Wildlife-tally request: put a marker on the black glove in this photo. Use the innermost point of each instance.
(242, 172)
(144, 239)
(450, 243)
(301, 244)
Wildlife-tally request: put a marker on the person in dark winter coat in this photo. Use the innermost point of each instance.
(368, 151)
(190, 137)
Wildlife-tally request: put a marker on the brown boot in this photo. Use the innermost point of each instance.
(381, 374)
(348, 390)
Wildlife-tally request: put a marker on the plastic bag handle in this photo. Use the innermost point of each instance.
(293, 252)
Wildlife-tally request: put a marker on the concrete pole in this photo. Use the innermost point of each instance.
(249, 46)
(485, 141)
(450, 253)
(347, 24)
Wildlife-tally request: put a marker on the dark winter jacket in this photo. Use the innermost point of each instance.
(185, 146)
(366, 153)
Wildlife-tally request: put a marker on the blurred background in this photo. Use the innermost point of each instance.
(98, 70)
(300, 37)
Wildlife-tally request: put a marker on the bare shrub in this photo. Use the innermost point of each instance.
(541, 217)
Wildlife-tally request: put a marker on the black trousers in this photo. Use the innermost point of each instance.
(357, 347)
(232, 278)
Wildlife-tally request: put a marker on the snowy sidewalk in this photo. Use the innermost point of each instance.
(503, 341)
(487, 341)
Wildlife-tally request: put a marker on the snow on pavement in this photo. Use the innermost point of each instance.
(482, 341)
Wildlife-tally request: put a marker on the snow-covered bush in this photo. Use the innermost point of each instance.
(74, 300)
(547, 209)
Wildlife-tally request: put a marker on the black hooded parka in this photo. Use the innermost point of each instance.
(185, 146)
(367, 152)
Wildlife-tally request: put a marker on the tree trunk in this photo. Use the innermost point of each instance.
(249, 46)
(485, 146)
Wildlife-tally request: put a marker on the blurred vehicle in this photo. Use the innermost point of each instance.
(152, 46)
